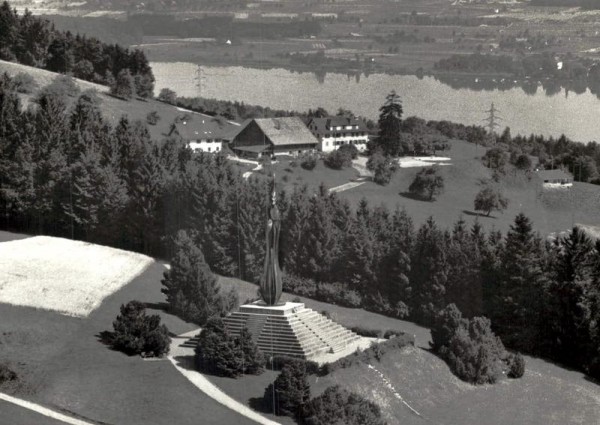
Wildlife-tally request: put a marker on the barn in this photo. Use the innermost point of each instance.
(273, 136)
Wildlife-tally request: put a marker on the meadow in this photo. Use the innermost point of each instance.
(112, 108)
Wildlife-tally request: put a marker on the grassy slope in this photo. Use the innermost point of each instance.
(550, 211)
(112, 107)
(64, 366)
(546, 394)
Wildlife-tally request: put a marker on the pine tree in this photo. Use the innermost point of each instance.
(429, 272)
(253, 359)
(569, 309)
(464, 277)
(216, 352)
(124, 85)
(290, 393)
(192, 290)
(517, 296)
(389, 139)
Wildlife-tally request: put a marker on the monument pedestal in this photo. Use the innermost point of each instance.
(289, 329)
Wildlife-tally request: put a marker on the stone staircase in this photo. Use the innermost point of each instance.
(295, 332)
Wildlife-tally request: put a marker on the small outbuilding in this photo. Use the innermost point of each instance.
(273, 136)
(555, 178)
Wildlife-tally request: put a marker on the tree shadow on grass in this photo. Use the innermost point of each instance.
(258, 404)
(162, 306)
(105, 337)
(479, 215)
(416, 197)
(186, 362)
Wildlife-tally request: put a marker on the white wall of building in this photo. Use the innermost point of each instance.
(328, 144)
(208, 145)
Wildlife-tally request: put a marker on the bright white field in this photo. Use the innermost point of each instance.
(69, 277)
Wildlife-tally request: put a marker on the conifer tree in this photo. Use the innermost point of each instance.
(569, 289)
(429, 272)
(216, 352)
(518, 293)
(290, 393)
(192, 290)
(253, 359)
(390, 120)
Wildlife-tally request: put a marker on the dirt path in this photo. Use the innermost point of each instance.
(41, 410)
(182, 358)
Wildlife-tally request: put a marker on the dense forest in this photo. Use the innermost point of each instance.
(67, 172)
(35, 42)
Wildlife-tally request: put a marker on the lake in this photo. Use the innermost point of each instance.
(575, 115)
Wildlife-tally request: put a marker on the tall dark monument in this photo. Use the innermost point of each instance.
(270, 285)
(286, 328)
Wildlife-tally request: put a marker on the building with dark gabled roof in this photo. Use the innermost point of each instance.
(204, 133)
(333, 132)
(273, 136)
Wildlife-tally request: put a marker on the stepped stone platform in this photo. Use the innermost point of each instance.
(290, 329)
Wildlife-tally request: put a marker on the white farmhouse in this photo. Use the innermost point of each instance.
(555, 179)
(333, 132)
(204, 133)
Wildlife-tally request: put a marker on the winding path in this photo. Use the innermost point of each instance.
(182, 357)
(18, 414)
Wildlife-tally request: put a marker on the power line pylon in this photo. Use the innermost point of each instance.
(492, 119)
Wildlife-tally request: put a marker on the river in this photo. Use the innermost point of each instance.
(575, 115)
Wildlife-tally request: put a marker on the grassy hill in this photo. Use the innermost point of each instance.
(112, 107)
(64, 366)
(550, 210)
(546, 394)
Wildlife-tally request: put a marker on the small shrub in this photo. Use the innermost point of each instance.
(6, 374)
(24, 83)
(308, 162)
(368, 333)
(350, 150)
(338, 405)
(382, 167)
(516, 366)
(279, 361)
(152, 118)
(427, 183)
(285, 178)
(168, 96)
(137, 333)
(337, 159)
